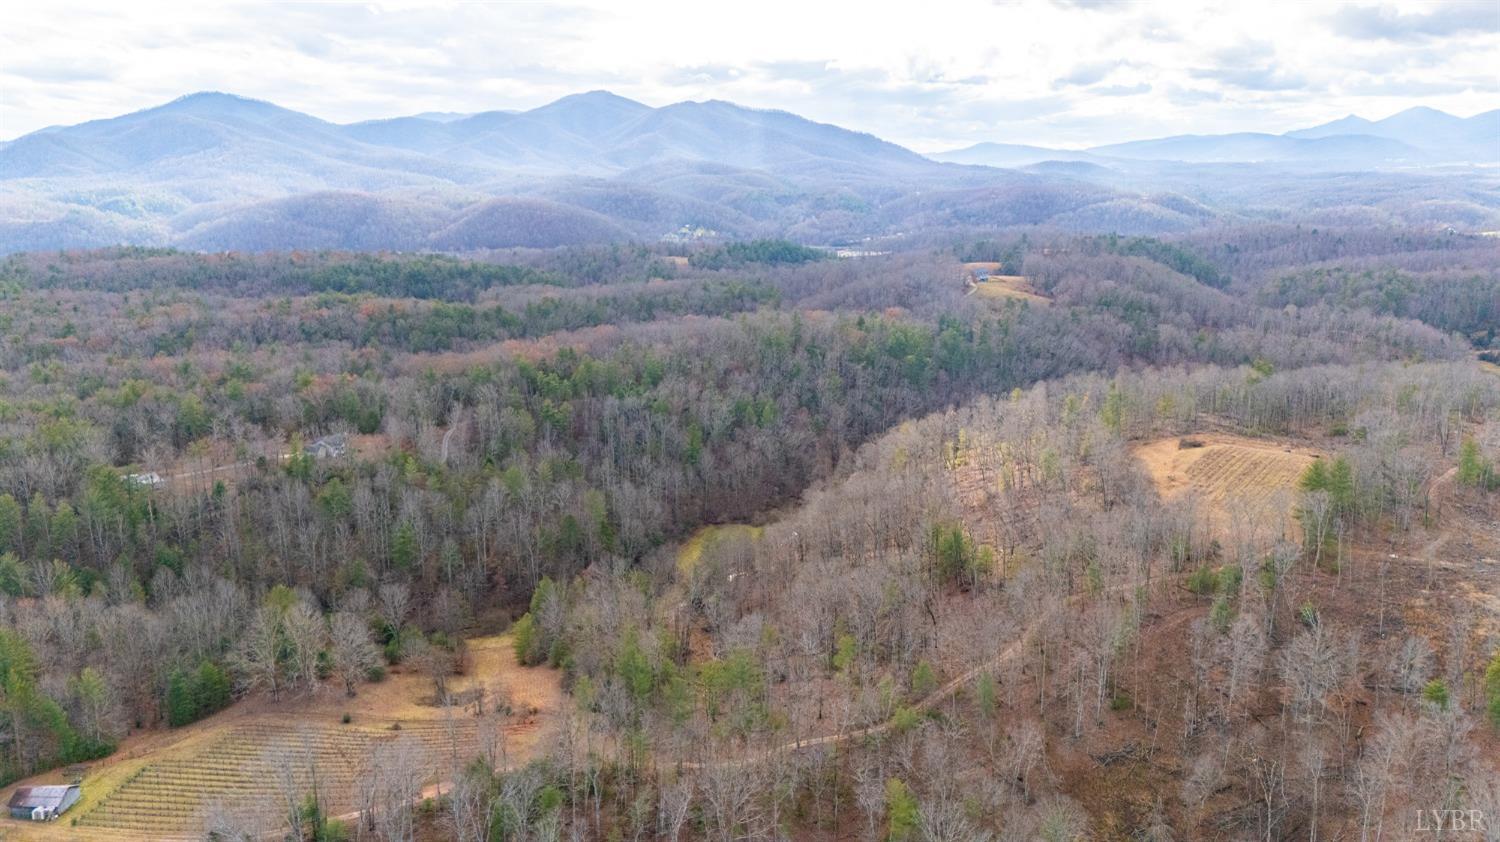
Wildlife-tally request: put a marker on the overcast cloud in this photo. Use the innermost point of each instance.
(931, 75)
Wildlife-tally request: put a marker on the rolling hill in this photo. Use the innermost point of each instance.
(1356, 151)
(1417, 136)
(214, 133)
(1443, 135)
(215, 171)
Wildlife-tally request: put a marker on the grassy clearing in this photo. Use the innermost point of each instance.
(999, 287)
(691, 551)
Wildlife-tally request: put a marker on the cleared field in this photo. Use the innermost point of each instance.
(1009, 286)
(162, 783)
(1225, 470)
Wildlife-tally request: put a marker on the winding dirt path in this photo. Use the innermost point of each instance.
(1004, 656)
(926, 703)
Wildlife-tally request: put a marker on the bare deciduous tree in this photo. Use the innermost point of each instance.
(469, 809)
(354, 653)
(397, 769)
(943, 820)
(1027, 752)
(674, 801)
(258, 654)
(732, 793)
(304, 633)
(394, 603)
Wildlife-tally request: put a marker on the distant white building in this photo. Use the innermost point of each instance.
(150, 480)
(690, 234)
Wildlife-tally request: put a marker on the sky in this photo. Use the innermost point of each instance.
(929, 74)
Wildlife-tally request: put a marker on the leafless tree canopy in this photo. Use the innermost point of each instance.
(818, 547)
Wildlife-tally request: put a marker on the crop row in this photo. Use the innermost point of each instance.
(1226, 472)
(242, 766)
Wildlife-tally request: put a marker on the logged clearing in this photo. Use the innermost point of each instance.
(1225, 470)
(160, 784)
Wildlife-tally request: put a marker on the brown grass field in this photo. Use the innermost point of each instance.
(1000, 287)
(159, 784)
(1009, 286)
(1226, 471)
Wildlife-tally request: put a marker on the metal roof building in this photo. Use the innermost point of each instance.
(328, 447)
(41, 803)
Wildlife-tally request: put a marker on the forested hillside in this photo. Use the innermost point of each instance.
(249, 477)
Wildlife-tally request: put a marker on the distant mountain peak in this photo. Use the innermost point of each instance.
(217, 102)
(213, 96)
(1425, 111)
(220, 107)
(599, 95)
(440, 116)
(595, 99)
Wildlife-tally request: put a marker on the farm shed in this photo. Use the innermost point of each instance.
(43, 803)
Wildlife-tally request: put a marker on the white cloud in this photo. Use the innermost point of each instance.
(1388, 23)
(932, 75)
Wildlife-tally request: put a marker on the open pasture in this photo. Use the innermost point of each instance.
(988, 283)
